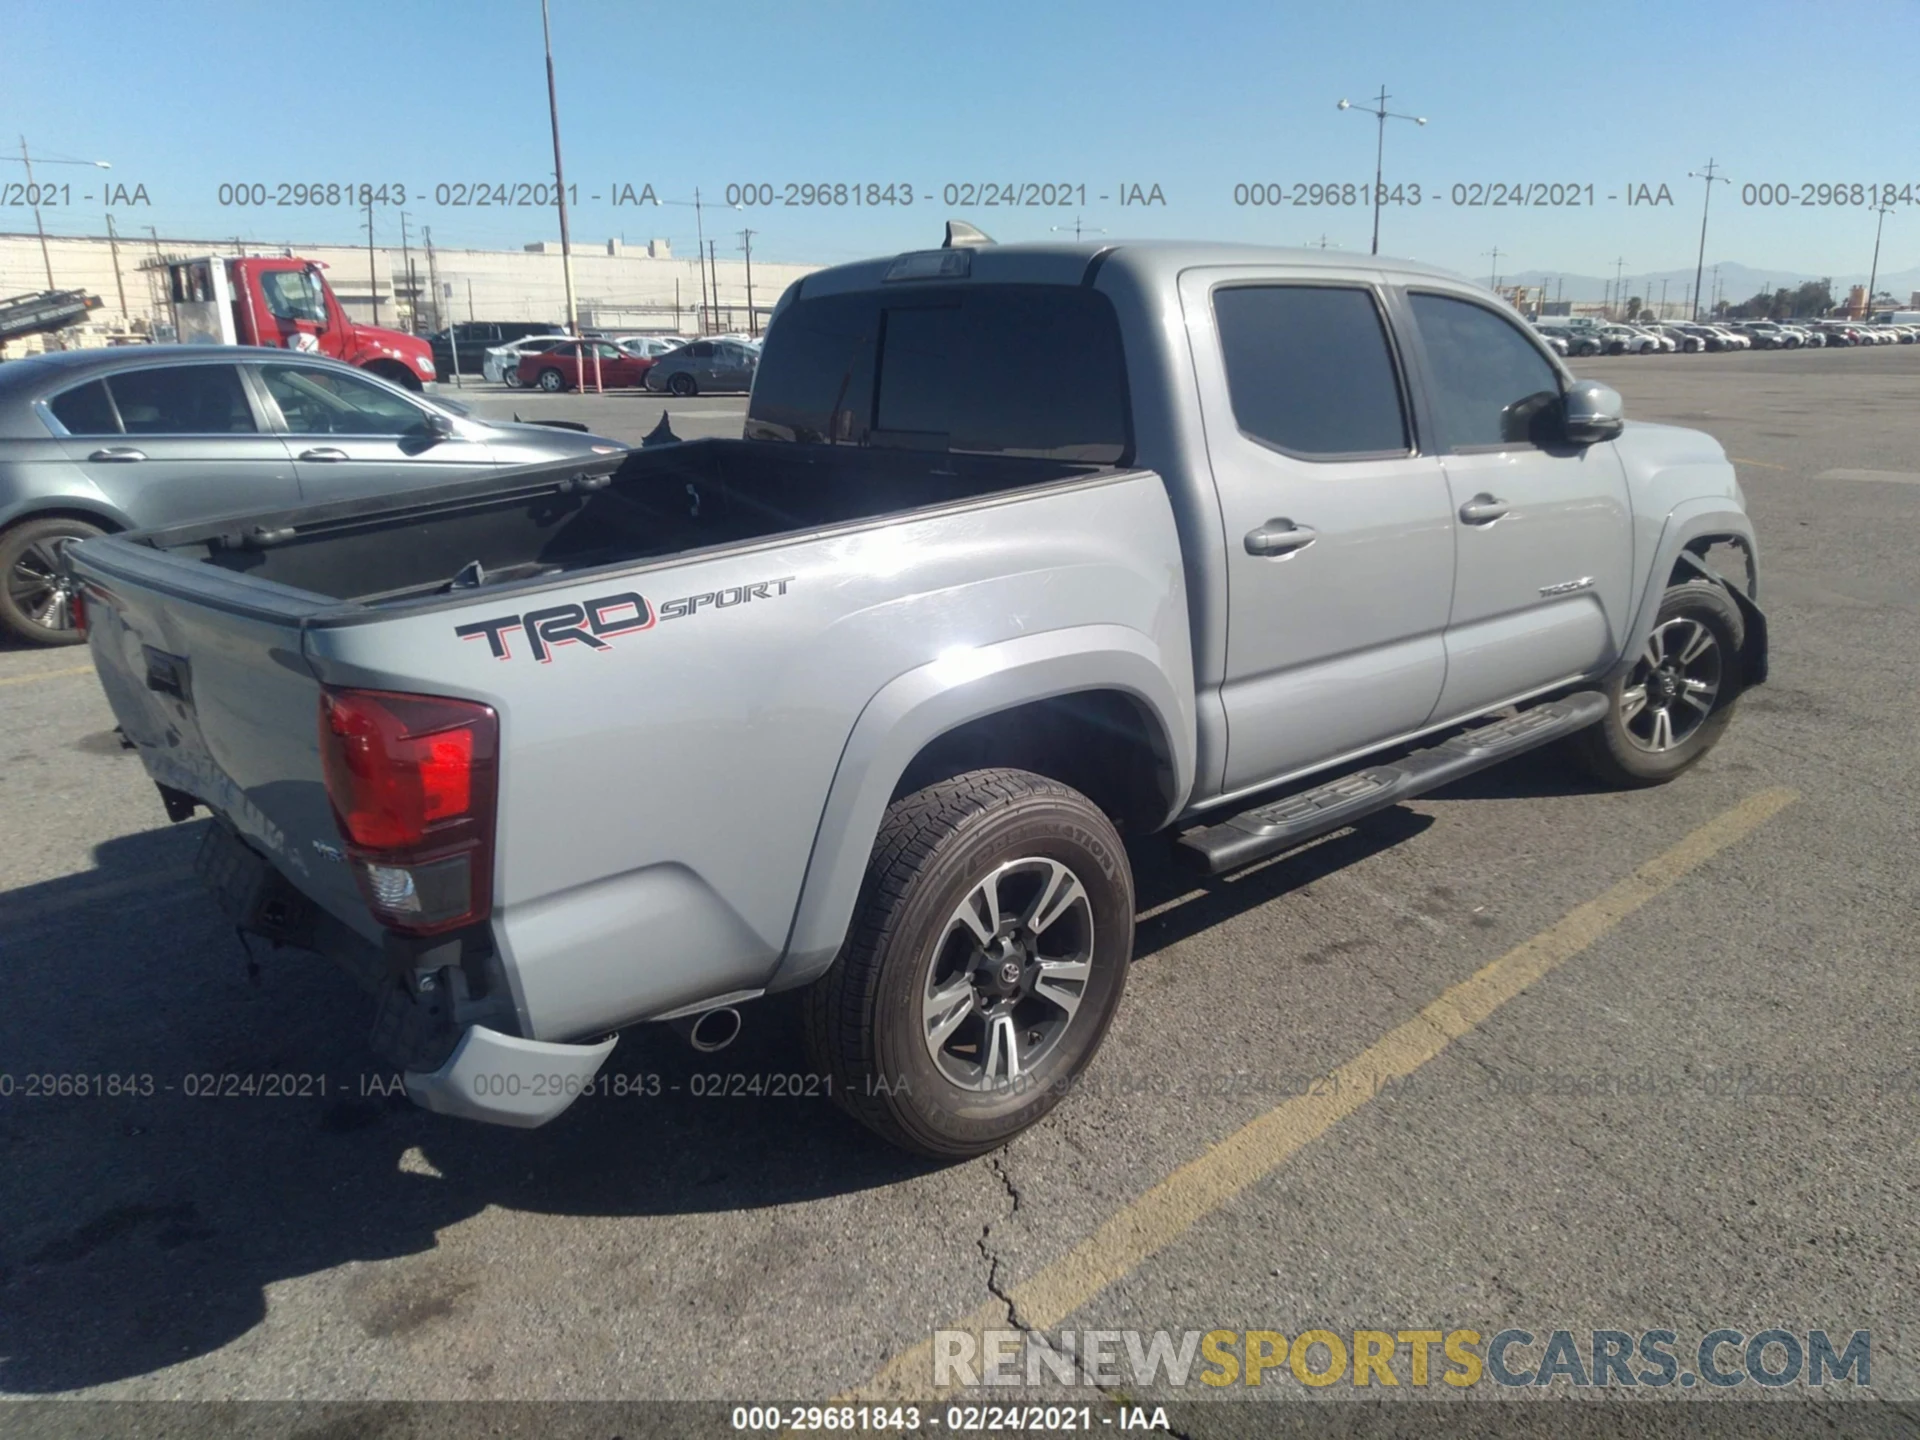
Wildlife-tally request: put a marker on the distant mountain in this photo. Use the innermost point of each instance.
(1737, 282)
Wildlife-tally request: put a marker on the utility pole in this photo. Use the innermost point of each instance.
(433, 274)
(373, 281)
(559, 182)
(1493, 274)
(34, 192)
(1619, 295)
(1716, 290)
(1699, 263)
(120, 284)
(413, 291)
(1381, 113)
(746, 244)
(700, 243)
(1874, 274)
(713, 259)
(1663, 297)
(676, 302)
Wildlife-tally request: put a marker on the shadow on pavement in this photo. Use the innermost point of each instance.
(147, 1224)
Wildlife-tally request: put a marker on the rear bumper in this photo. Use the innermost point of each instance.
(505, 1080)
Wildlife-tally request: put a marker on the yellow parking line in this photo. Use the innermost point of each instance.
(1764, 465)
(48, 675)
(1160, 1216)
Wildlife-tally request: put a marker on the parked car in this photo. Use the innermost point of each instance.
(572, 364)
(1682, 338)
(477, 337)
(705, 366)
(1766, 335)
(651, 347)
(1735, 339)
(130, 438)
(1557, 342)
(1707, 337)
(1108, 538)
(1623, 340)
(502, 364)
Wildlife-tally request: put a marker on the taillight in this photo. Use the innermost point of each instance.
(77, 611)
(411, 779)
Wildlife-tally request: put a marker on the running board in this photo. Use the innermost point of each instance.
(1285, 823)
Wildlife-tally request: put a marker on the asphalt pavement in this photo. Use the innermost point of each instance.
(1519, 1055)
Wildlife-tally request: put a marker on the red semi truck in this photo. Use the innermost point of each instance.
(285, 302)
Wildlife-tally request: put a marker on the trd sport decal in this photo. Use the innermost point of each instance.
(593, 623)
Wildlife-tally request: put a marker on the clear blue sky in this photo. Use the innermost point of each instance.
(1192, 98)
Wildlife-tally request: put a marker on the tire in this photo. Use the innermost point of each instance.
(510, 378)
(33, 602)
(939, 853)
(1627, 749)
(552, 381)
(683, 385)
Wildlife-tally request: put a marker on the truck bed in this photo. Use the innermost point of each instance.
(557, 519)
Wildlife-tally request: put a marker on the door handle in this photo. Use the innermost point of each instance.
(1483, 509)
(325, 452)
(120, 454)
(1280, 537)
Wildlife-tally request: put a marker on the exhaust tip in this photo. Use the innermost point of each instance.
(715, 1030)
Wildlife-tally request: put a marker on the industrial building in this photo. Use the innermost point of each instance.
(617, 286)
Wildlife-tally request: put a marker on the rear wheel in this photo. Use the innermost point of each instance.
(1670, 709)
(36, 597)
(511, 379)
(986, 960)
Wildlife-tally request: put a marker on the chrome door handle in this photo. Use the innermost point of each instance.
(1280, 537)
(120, 454)
(325, 452)
(1483, 509)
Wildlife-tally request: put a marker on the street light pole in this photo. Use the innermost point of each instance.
(1700, 260)
(1382, 114)
(559, 177)
(746, 244)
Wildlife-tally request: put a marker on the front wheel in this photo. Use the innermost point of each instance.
(985, 962)
(36, 597)
(1671, 707)
(683, 385)
(552, 381)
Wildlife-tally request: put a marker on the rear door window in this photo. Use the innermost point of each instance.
(1490, 382)
(183, 400)
(1310, 370)
(85, 410)
(316, 401)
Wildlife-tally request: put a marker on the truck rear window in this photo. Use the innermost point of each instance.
(1033, 370)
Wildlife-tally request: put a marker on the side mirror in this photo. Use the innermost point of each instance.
(441, 426)
(1590, 412)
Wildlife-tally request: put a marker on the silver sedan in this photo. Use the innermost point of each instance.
(124, 439)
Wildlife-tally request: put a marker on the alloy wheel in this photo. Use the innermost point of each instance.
(1008, 974)
(39, 588)
(1674, 684)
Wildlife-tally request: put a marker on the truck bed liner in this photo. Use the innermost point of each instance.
(559, 518)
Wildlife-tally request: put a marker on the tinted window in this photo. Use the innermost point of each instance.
(1490, 382)
(815, 382)
(1012, 369)
(701, 350)
(85, 410)
(318, 401)
(183, 400)
(1310, 370)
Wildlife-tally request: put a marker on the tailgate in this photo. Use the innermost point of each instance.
(204, 671)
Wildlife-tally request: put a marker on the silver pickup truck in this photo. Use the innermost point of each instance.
(1025, 548)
